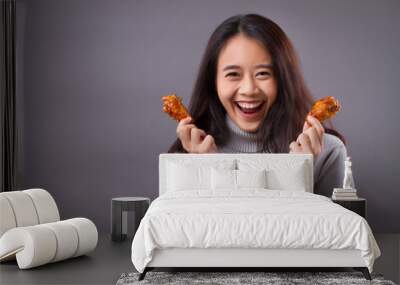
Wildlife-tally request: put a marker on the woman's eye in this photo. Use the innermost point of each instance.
(232, 74)
(264, 74)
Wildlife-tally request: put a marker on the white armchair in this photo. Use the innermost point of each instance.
(31, 230)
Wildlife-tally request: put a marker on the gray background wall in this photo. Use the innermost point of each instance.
(91, 74)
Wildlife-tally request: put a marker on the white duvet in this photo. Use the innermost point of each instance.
(251, 218)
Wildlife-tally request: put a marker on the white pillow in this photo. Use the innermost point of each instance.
(281, 174)
(290, 179)
(237, 179)
(251, 178)
(223, 179)
(190, 175)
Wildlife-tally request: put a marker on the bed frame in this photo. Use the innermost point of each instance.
(248, 259)
(242, 259)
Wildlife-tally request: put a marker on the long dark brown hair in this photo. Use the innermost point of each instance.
(285, 118)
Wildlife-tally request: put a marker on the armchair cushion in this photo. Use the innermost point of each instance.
(40, 244)
(31, 230)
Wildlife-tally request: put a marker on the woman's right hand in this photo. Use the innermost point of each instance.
(194, 140)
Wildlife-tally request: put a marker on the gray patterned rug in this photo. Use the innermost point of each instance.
(230, 278)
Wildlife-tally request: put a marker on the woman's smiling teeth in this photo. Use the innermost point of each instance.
(249, 107)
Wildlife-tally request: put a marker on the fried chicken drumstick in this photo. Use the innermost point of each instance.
(174, 107)
(325, 108)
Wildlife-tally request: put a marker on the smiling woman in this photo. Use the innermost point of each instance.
(250, 96)
(246, 89)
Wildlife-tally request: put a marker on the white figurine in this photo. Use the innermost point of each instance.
(348, 181)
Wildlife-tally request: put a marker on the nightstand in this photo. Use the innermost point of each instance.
(119, 215)
(358, 206)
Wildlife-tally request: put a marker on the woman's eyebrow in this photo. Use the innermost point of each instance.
(230, 67)
(264, 66)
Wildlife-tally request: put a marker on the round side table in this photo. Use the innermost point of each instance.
(119, 215)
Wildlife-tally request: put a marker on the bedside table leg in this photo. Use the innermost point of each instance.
(116, 222)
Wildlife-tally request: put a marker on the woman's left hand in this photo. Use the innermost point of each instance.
(311, 139)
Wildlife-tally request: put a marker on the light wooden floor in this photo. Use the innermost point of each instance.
(110, 260)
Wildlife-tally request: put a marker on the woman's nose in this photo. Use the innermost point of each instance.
(248, 86)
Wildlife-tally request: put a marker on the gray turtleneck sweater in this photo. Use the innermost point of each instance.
(328, 165)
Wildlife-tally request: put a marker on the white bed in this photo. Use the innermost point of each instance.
(247, 210)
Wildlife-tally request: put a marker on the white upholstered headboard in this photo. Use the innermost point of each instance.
(267, 158)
